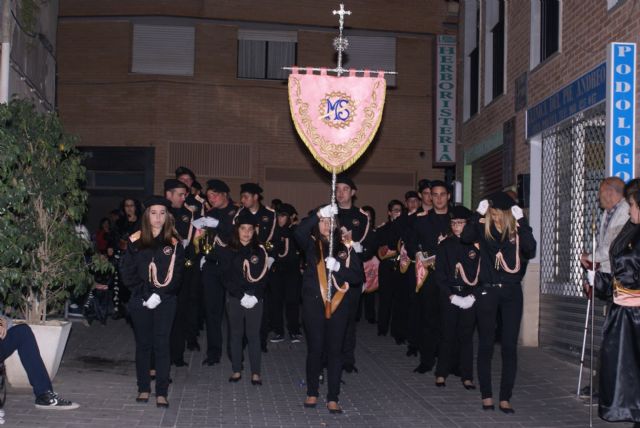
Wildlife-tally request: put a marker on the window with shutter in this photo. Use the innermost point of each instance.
(163, 49)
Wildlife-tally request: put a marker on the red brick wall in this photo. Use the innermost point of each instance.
(586, 30)
(106, 105)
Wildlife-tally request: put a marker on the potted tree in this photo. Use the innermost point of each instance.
(43, 261)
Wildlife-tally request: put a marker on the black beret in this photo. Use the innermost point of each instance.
(423, 184)
(343, 179)
(252, 188)
(286, 209)
(245, 217)
(411, 194)
(196, 185)
(438, 183)
(182, 170)
(172, 183)
(501, 201)
(459, 212)
(157, 200)
(217, 186)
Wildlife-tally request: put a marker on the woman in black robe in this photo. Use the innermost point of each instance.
(620, 351)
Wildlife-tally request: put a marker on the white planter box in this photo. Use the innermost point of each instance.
(52, 339)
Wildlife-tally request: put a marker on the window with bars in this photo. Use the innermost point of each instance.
(262, 54)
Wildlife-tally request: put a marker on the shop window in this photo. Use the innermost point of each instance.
(163, 49)
(262, 54)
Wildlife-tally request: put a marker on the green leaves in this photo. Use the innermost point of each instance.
(42, 258)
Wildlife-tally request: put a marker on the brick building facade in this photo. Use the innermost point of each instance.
(513, 56)
(237, 129)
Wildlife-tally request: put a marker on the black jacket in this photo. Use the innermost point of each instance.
(351, 269)
(236, 278)
(134, 267)
(450, 252)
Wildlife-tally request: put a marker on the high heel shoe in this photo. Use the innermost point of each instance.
(256, 381)
(334, 408)
(143, 397)
(161, 402)
(507, 410)
(311, 402)
(441, 384)
(468, 386)
(488, 406)
(234, 378)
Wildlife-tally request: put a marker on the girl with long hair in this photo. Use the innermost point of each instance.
(506, 243)
(244, 263)
(152, 269)
(325, 323)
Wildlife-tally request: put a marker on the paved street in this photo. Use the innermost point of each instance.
(98, 372)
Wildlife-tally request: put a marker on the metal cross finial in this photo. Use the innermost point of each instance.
(340, 43)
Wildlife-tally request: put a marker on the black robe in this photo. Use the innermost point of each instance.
(619, 398)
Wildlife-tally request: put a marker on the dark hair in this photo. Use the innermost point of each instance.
(392, 203)
(168, 231)
(320, 239)
(631, 187)
(103, 220)
(136, 202)
(234, 242)
(372, 214)
(633, 194)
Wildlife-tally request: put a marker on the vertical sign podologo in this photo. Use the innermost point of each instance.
(621, 107)
(445, 109)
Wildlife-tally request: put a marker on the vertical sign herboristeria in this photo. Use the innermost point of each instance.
(444, 150)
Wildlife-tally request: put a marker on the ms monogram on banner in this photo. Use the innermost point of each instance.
(337, 109)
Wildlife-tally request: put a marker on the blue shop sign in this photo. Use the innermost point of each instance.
(621, 106)
(584, 92)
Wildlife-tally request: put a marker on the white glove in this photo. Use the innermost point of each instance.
(152, 301)
(517, 212)
(332, 264)
(357, 247)
(457, 301)
(270, 261)
(483, 206)
(202, 262)
(420, 257)
(203, 222)
(328, 211)
(252, 301)
(591, 277)
(468, 301)
(185, 243)
(245, 301)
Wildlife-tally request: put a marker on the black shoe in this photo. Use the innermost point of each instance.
(193, 346)
(488, 407)
(468, 386)
(423, 368)
(143, 397)
(277, 338)
(586, 391)
(210, 361)
(350, 368)
(257, 382)
(507, 410)
(179, 363)
(334, 410)
(400, 341)
(263, 347)
(162, 404)
(310, 405)
(441, 384)
(50, 400)
(295, 338)
(235, 379)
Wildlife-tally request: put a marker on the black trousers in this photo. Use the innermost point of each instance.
(413, 312)
(456, 343)
(388, 291)
(368, 305)
(349, 344)
(185, 322)
(214, 299)
(152, 329)
(243, 323)
(508, 301)
(427, 306)
(324, 343)
(285, 296)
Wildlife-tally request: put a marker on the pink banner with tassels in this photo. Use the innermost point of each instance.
(336, 117)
